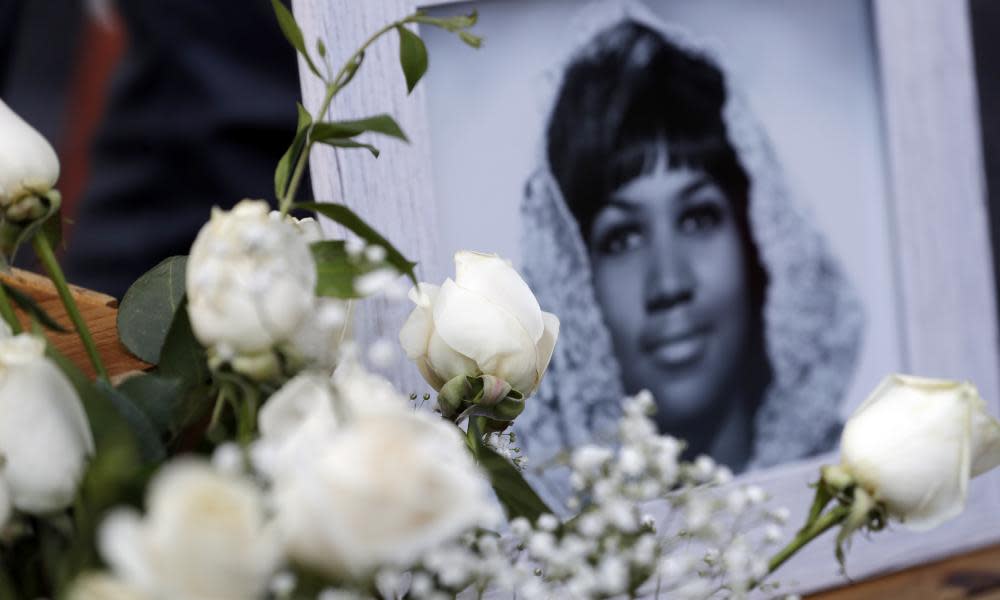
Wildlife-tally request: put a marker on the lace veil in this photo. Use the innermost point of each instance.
(812, 318)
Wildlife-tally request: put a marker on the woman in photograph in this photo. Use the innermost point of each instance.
(660, 232)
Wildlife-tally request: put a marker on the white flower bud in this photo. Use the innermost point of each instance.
(28, 164)
(915, 443)
(250, 280)
(485, 321)
(45, 438)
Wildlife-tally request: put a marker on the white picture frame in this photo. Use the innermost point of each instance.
(936, 205)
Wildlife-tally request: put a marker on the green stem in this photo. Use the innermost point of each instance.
(332, 88)
(832, 518)
(7, 311)
(44, 251)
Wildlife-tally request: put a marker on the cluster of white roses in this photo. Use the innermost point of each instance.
(317, 491)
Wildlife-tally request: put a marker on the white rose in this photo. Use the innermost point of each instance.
(486, 321)
(45, 438)
(914, 444)
(204, 536)
(250, 280)
(305, 413)
(28, 164)
(383, 490)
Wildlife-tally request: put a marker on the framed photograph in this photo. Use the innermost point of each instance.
(756, 211)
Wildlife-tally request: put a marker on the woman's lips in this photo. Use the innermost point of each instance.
(677, 349)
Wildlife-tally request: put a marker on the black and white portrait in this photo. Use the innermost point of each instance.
(696, 189)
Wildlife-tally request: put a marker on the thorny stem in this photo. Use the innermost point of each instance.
(332, 88)
(44, 251)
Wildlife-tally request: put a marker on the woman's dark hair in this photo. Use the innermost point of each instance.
(628, 94)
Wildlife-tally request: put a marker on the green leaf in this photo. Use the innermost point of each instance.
(320, 48)
(336, 270)
(346, 217)
(28, 305)
(339, 143)
(157, 397)
(412, 56)
(518, 498)
(383, 124)
(183, 357)
(284, 170)
(292, 33)
(150, 446)
(148, 308)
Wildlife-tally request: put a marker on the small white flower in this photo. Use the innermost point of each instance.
(590, 459)
(548, 522)
(204, 536)
(612, 575)
(375, 281)
(485, 321)
(382, 353)
(756, 494)
(915, 443)
(631, 462)
(375, 253)
(228, 458)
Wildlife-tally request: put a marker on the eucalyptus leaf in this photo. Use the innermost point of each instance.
(284, 170)
(183, 357)
(156, 396)
(28, 305)
(518, 498)
(349, 219)
(149, 306)
(150, 446)
(292, 33)
(412, 57)
(341, 143)
(383, 124)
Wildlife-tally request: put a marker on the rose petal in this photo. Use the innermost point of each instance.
(496, 280)
(547, 343)
(484, 332)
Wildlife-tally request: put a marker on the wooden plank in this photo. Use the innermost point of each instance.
(972, 575)
(100, 311)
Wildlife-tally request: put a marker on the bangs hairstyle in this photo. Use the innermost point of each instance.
(624, 99)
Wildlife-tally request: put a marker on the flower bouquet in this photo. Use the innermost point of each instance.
(256, 457)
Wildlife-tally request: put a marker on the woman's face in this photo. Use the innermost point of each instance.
(670, 276)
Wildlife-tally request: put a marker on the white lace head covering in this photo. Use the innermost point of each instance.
(812, 319)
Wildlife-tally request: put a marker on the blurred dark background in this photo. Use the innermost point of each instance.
(158, 110)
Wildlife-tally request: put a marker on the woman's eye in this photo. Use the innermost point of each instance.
(620, 239)
(700, 218)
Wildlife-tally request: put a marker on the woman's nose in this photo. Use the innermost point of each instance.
(670, 280)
